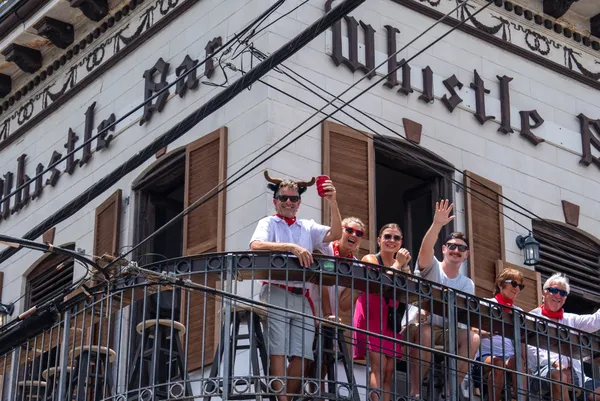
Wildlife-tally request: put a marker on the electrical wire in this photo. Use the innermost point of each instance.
(227, 45)
(531, 213)
(221, 186)
(391, 145)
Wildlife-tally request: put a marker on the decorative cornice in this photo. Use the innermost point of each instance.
(493, 27)
(89, 65)
(547, 23)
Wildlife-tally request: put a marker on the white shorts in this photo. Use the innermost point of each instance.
(288, 333)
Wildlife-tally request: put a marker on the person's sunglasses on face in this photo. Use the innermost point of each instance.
(554, 291)
(292, 198)
(515, 284)
(389, 237)
(452, 246)
(358, 233)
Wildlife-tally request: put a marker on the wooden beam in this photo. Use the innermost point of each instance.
(595, 26)
(5, 85)
(27, 59)
(557, 8)
(60, 33)
(92, 9)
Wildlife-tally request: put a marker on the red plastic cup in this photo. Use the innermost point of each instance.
(320, 181)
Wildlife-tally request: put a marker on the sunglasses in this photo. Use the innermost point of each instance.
(452, 246)
(515, 284)
(388, 237)
(554, 291)
(292, 198)
(358, 233)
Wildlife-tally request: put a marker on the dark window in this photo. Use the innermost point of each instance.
(568, 251)
(50, 278)
(406, 191)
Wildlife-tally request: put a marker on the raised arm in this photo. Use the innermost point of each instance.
(440, 219)
(335, 230)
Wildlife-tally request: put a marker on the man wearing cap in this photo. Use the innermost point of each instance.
(291, 335)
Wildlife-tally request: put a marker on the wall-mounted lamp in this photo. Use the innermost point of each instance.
(7, 309)
(531, 249)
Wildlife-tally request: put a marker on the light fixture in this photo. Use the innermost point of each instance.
(531, 249)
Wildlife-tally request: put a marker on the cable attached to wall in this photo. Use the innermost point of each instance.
(223, 185)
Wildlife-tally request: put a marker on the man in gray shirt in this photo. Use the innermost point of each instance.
(434, 331)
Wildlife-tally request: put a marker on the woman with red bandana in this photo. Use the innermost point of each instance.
(561, 368)
(371, 314)
(498, 350)
(346, 247)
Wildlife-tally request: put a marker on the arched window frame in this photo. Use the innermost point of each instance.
(572, 251)
(44, 281)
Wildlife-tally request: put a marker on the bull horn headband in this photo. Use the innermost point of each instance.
(274, 183)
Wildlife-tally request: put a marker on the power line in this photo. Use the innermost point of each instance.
(394, 146)
(234, 38)
(187, 123)
(225, 184)
(401, 150)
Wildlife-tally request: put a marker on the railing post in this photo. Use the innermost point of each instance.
(518, 356)
(452, 331)
(227, 310)
(64, 356)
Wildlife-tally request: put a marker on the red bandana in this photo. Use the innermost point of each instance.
(288, 220)
(336, 250)
(558, 315)
(502, 300)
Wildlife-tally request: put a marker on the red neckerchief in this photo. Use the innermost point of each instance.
(336, 250)
(288, 220)
(558, 315)
(502, 300)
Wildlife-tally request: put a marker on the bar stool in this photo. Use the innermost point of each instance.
(333, 337)
(98, 359)
(31, 390)
(152, 369)
(52, 376)
(251, 317)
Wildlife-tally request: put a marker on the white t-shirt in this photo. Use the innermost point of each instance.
(434, 272)
(306, 233)
(497, 345)
(542, 357)
(334, 291)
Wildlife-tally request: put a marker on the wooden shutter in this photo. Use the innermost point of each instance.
(531, 297)
(107, 228)
(106, 241)
(485, 229)
(349, 160)
(203, 232)
(567, 250)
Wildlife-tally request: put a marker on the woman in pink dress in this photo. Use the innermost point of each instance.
(382, 352)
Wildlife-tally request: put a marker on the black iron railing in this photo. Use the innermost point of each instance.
(201, 326)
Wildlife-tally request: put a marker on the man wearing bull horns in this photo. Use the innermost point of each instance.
(291, 335)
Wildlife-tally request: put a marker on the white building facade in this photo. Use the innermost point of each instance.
(512, 97)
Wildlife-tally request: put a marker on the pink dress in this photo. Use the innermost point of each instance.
(375, 321)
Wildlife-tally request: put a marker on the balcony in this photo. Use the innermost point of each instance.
(193, 327)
